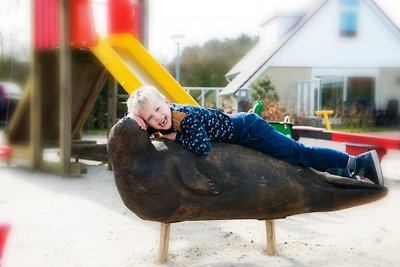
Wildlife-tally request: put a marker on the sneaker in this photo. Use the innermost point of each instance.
(362, 179)
(367, 165)
(347, 174)
(340, 172)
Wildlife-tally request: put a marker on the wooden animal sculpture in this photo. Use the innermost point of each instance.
(161, 181)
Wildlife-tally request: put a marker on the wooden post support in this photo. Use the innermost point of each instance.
(65, 88)
(271, 241)
(35, 124)
(111, 108)
(164, 242)
(144, 34)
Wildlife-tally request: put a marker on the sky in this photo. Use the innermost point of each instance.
(202, 20)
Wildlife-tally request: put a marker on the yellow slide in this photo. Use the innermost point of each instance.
(132, 65)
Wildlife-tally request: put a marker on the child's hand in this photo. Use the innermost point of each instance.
(169, 136)
(138, 120)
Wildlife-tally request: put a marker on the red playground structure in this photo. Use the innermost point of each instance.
(4, 230)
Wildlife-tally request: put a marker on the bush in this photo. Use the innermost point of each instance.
(354, 115)
(273, 111)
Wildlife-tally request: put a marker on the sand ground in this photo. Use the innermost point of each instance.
(81, 221)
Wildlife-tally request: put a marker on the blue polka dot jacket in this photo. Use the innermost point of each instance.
(197, 127)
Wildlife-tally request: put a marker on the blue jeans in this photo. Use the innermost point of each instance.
(258, 134)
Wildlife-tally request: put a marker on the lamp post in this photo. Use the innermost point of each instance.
(178, 38)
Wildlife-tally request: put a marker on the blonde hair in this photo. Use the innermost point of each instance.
(142, 96)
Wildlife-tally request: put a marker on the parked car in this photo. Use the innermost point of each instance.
(10, 93)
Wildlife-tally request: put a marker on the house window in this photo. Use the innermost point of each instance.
(331, 91)
(361, 90)
(348, 18)
(348, 24)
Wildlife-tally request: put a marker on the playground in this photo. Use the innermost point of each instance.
(60, 221)
(63, 213)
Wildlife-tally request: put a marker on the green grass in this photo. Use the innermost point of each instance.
(96, 131)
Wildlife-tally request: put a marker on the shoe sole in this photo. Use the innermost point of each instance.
(377, 165)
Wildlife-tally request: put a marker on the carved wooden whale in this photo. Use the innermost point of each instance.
(161, 181)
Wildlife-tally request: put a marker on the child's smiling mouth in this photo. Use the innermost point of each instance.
(163, 122)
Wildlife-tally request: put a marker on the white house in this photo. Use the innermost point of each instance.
(338, 51)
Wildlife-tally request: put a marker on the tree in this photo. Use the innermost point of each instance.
(14, 70)
(14, 53)
(263, 89)
(207, 65)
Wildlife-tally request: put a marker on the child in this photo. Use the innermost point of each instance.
(196, 127)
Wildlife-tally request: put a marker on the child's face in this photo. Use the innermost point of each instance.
(157, 114)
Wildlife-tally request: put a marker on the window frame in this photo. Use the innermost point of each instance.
(348, 18)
